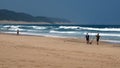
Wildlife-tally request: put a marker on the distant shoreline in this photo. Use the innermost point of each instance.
(24, 22)
(20, 22)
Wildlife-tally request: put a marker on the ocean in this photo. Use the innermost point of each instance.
(108, 33)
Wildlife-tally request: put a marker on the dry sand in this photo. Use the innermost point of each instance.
(21, 22)
(45, 52)
(24, 22)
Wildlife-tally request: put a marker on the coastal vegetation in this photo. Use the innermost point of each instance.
(20, 16)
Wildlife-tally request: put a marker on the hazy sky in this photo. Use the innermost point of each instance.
(80, 11)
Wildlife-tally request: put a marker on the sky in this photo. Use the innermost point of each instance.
(78, 11)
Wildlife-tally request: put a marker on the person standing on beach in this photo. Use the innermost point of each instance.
(97, 38)
(17, 32)
(87, 38)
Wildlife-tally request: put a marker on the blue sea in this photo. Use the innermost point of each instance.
(108, 33)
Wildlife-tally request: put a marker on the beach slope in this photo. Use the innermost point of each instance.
(45, 52)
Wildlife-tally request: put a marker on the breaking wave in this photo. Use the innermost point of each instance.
(108, 33)
(104, 34)
(89, 28)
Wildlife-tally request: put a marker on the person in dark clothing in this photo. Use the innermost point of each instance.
(87, 38)
(97, 38)
(17, 32)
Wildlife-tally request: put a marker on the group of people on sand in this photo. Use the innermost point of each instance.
(90, 42)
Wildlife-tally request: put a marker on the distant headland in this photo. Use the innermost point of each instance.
(8, 16)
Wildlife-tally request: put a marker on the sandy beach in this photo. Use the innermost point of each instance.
(24, 22)
(46, 52)
(20, 22)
